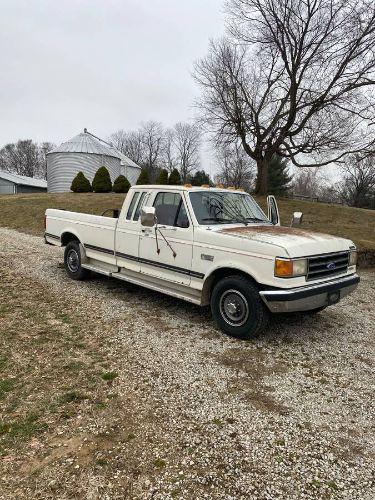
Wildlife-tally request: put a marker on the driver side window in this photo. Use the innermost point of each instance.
(170, 210)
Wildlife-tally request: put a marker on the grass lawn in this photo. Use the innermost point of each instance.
(26, 213)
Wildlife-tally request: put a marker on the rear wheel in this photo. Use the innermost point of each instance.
(72, 261)
(237, 307)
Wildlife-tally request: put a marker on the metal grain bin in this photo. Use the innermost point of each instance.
(85, 153)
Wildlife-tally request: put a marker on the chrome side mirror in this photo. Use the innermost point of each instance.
(148, 217)
(273, 210)
(296, 219)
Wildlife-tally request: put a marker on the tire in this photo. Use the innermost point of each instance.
(72, 262)
(237, 307)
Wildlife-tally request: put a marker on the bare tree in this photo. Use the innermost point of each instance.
(358, 185)
(130, 144)
(169, 154)
(152, 134)
(187, 141)
(235, 167)
(24, 158)
(293, 78)
(309, 182)
(44, 148)
(118, 140)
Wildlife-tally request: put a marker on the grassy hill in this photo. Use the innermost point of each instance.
(26, 213)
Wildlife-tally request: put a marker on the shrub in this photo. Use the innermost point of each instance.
(102, 181)
(80, 184)
(163, 177)
(200, 177)
(121, 184)
(143, 177)
(174, 178)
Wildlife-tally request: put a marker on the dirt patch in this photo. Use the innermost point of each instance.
(250, 368)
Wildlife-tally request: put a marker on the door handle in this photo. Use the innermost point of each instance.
(168, 228)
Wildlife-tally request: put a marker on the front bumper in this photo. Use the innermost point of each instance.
(307, 298)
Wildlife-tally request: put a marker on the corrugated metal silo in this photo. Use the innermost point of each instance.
(84, 153)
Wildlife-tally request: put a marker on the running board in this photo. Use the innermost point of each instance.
(156, 284)
(97, 270)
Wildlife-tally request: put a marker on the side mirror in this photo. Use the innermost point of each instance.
(273, 210)
(296, 219)
(148, 217)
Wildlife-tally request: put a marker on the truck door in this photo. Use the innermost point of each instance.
(168, 253)
(128, 232)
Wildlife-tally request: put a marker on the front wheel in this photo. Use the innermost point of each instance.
(72, 261)
(237, 307)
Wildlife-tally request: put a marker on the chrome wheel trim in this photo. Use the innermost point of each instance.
(234, 307)
(72, 261)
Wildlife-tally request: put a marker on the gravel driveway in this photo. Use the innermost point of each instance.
(289, 415)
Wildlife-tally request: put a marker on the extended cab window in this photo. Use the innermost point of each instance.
(131, 206)
(137, 212)
(170, 210)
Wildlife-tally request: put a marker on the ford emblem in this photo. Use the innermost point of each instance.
(331, 266)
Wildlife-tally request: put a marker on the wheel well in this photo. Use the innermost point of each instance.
(67, 238)
(216, 276)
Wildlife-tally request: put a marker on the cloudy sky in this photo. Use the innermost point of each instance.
(100, 64)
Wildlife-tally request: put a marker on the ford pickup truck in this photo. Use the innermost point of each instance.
(209, 246)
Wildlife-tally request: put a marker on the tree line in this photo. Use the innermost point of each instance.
(26, 157)
(154, 147)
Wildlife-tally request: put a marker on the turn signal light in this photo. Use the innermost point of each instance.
(290, 268)
(283, 268)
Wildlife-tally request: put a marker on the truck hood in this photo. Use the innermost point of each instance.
(296, 242)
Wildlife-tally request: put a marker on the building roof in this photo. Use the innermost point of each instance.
(22, 180)
(85, 142)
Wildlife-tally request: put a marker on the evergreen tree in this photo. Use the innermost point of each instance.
(278, 176)
(143, 177)
(163, 177)
(174, 178)
(121, 184)
(80, 184)
(102, 181)
(200, 177)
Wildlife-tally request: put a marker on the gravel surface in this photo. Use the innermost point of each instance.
(287, 416)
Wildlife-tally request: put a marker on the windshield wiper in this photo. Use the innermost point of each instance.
(215, 219)
(256, 219)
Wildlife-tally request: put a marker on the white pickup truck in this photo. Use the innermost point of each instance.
(209, 246)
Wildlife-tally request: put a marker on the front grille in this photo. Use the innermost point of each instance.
(329, 264)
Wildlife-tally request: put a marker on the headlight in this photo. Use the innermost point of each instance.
(352, 258)
(290, 268)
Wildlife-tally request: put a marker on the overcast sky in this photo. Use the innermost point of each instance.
(100, 64)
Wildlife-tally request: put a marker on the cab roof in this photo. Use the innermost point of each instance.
(168, 187)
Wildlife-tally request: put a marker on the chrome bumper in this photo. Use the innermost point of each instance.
(306, 298)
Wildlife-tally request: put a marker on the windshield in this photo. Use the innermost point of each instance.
(220, 207)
